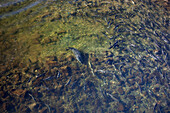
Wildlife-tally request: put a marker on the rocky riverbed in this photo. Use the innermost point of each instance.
(125, 44)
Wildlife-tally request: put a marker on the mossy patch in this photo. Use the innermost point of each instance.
(36, 32)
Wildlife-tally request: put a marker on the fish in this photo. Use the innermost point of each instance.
(79, 56)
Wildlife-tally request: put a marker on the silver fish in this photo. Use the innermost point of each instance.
(79, 56)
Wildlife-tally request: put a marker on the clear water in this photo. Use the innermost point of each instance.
(5, 3)
(124, 46)
(19, 10)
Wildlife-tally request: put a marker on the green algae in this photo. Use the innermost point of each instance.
(42, 33)
(78, 32)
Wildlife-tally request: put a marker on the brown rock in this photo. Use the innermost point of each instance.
(2, 93)
(32, 106)
(52, 63)
(61, 32)
(2, 32)
(17, 78)
(156, 89)
(63, 67)
(70, 58)
(121, 91)
(3, 68)
(54, 39)
(51, 58)
(58, 16)
(8, 107)
(131, 97)
(130, 76)
(108, 53)
(140, 81)
(24, 109)
(33, 59)
(94, 59)
(45, 40)
(120, 107)
(54, 70)
(43, 110)
(131, 81)
(99, 110)
(19, 92)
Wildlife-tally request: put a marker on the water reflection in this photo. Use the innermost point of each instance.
(8, 3)
(20, 10)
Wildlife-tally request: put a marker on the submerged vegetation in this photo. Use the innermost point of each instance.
(125, 43)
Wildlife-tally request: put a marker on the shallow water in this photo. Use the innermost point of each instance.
(5, 3)
(124, 45)
(19, 10)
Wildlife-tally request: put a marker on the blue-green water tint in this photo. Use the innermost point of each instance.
(19, 10)
(5, 3)
(127, 70)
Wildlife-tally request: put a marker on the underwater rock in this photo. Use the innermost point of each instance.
(121, 91)
(19, 92)
(25, 109)
(131, 97)
(52, 63)
(33, 59)
(43, 110)
(45, 40)
(51, 58)
(120, 107)
(61, 32)
(3, 69)
(16, 77)
(32, 105)
(9, 107)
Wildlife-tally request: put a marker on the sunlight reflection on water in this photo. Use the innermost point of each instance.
(20, 10)
(8, 3)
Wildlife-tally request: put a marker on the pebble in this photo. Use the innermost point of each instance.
(19, 92)
(120, 107)
(121, 91)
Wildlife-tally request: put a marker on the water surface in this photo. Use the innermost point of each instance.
(124, 45)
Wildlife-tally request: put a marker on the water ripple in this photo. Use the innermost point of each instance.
(11, 3)
(20, 10)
